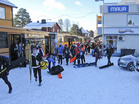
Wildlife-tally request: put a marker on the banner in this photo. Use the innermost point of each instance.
(99, 19)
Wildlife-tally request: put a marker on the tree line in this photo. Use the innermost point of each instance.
(22, 18)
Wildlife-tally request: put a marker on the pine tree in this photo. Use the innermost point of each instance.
(75, 30)
(22, 18)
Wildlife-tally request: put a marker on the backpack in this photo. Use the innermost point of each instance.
(93, 52)
(81, 53)
(60, 50)
(55, 70)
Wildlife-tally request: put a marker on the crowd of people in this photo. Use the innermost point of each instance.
(76, 51)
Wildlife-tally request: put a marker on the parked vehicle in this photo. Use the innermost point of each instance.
(129, 61)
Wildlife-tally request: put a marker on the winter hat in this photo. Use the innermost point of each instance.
(6, 56)
(34, 49)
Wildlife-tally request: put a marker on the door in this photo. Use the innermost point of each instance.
(14, 41)
(47, 44)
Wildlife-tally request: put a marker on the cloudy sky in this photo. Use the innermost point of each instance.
(81, 12)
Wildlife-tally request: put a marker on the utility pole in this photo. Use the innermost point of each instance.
(102, 26)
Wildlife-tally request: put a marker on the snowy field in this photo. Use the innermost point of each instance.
(88, 85)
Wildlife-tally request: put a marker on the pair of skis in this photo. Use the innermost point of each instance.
(105, 66)
(30, 63)
(84, 65)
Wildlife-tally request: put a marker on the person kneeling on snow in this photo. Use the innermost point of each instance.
(36, 59)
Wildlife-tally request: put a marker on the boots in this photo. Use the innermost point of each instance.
(59, 76)
(10, 90)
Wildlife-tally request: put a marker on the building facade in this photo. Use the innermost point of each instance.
(44, 26)
(6, 13)
(121, 25)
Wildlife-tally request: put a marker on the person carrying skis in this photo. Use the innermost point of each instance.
(60, 53)
(36, 59)
(76, 50)
(97, 55)
(109, 53)
(67, 53)
(4, 71)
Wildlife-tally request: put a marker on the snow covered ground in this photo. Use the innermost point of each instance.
(88, 85)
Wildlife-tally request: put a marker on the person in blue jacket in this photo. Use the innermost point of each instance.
(60, 53)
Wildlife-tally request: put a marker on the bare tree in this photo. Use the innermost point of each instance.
(67, 24)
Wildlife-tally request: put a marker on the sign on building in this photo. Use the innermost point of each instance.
(99, 19)
(118, 9)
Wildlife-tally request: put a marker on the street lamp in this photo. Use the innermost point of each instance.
(47, 24)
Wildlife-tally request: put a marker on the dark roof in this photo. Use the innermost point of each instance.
(8, 3)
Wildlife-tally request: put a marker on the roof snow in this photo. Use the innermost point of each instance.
(6, 2)
(36, 25)
(84, 31)
(129, 1)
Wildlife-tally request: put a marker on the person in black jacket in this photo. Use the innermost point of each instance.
(109, 54)
(36, 59)
(96, 51)
(4, 71)
(67, 53)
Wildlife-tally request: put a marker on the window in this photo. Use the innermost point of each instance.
(60, 39)
(133, 20)
(2, 13)
(3, 40)
(112, 40)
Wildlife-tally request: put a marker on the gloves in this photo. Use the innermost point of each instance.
(7, 72)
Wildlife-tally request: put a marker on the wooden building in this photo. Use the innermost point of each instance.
(44, 26)
(6, 13)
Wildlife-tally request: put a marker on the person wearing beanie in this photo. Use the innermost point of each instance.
(67, 53)
(36, 59)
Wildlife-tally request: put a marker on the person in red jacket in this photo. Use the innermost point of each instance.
(76, 50)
